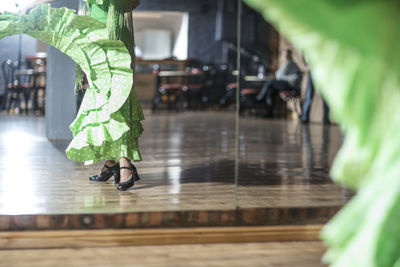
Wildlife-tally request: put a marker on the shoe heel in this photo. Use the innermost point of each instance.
(117, 178)
(135, 174)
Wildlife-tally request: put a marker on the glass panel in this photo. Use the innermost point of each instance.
(283, 167)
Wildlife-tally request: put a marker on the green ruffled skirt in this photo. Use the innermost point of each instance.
(107, 126)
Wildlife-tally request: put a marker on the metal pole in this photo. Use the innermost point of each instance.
(237, 122)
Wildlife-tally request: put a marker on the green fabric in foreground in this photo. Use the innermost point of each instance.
(354, 52)
(106, 127)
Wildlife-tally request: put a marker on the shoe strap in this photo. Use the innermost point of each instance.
(132, 168)
(110, 167)
(129, 168)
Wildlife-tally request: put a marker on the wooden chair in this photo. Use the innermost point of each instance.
(229, 96)
(17, 83)
(167, 91)
(294, 95)
(195, 88)
(248, 98)
(24, 82)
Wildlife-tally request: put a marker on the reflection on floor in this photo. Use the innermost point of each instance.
(188, 166)
(246, 254)
(284, 163)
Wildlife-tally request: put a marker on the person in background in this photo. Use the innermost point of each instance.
(287, 78)
(305, 115)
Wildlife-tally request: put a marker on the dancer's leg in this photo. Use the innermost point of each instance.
(128, 174)
(125, 173)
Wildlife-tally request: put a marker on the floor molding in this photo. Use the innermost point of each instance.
(238, 217)
(135, 237)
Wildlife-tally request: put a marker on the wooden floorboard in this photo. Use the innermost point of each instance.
(274, 254)
(108, 238)
(188, 164)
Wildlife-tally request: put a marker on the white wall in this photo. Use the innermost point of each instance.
(176, 23)
(154, 44)
(182, 40)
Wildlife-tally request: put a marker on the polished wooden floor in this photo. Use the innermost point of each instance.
(274, 254)
(188, 165)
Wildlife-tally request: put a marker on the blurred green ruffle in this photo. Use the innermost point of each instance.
(353, 50)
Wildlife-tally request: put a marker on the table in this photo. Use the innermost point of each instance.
(178, 73)
(251, 78)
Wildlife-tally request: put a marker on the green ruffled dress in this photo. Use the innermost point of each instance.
(118, 136)
(107, 126)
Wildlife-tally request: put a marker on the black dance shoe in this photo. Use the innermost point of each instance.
(104, 176)
(127, 184)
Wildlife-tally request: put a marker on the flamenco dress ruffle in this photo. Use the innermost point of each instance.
(108, 122)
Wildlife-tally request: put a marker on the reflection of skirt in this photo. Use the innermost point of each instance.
(107, 126)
